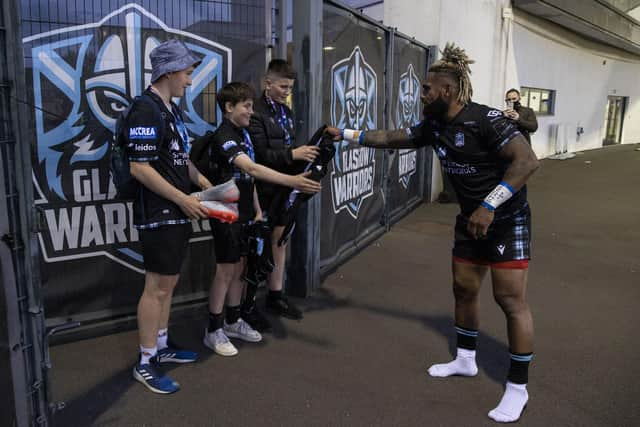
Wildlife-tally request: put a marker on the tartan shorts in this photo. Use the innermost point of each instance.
(508, 239)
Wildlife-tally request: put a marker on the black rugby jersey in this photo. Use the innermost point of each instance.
(169, 157)
(230, 141)
(468, 148)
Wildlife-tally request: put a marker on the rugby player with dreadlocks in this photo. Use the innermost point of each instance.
(488, 162)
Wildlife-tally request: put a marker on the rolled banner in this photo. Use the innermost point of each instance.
(225, 212)
(226, 192)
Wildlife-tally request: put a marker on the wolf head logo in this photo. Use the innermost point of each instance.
(83, 77)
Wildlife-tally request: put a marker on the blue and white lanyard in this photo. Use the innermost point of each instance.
(283, 120)
(237, 172)
(249, 145)
(182, 130)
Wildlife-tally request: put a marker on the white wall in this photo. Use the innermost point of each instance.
(582, 81)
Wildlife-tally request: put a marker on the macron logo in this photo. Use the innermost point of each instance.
(500, 249)
(142, 132)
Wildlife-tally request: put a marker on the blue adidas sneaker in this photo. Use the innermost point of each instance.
(175, 355)
(154, 379)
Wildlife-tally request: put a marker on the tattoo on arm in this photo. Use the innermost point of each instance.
(398, 138)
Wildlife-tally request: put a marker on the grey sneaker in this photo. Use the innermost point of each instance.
(242, 330)
(218, 342)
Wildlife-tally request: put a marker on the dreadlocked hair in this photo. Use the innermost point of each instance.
(455, 62)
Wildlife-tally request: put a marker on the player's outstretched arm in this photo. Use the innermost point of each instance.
(397, 138)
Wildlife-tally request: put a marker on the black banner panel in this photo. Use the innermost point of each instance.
(406, 167)
(85, 61)
(353, 98)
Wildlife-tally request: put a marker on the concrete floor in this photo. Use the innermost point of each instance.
(359, 357)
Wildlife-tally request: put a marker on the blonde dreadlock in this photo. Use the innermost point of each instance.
(455, 62)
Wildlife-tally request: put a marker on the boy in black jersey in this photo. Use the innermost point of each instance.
(232, 151)
(488, 162)
(158, 146)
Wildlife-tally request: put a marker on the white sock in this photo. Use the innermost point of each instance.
(512, 403)
(146, 354)
(464, 364)
(163, 336)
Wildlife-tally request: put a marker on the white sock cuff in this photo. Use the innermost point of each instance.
(149, 350)
(515, 385)
(467, 354)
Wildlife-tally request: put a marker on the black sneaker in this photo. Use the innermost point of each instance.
(256, 319)
(283, 307)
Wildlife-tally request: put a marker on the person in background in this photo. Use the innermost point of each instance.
(523, 117)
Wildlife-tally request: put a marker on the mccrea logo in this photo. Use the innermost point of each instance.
(407, 115)
(83, 77)
(354, 86)
(142, 133)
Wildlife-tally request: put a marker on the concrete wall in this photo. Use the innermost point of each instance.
(544, 55)
(582, 80)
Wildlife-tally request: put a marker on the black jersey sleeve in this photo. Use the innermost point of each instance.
(497, 130)
(229, 149)
(142, 131)
(423, 133)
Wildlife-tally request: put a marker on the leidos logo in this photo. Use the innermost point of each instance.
(354, 86)
(406, 115)
(144, 147)
(83, 77)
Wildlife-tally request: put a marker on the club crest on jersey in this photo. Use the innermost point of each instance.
(83, 77)
(354, 89)
(459, 139)
(229, 145)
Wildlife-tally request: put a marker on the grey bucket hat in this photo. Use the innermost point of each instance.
(169, 57)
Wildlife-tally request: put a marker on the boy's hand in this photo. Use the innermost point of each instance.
(306, 185)
(308, 153)
(191, 206)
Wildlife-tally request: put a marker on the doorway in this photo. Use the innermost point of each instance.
(613, 119)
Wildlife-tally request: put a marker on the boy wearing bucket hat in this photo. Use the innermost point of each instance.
(158, 149)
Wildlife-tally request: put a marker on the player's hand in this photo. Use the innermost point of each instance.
(479, 222)
(334, 132)
(308, 153)
(306, 185)
(191, 206)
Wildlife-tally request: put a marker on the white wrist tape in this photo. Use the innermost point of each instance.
(498, 196)
(352, 135)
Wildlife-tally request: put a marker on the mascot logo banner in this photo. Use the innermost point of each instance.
(83, 77)
(354, 89)
(407, 114)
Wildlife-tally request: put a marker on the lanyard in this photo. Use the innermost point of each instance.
(249, 145)
(182, 130)
(283, 120)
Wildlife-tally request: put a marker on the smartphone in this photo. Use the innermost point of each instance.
(510, 105)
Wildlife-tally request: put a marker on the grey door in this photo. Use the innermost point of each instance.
(613, 119)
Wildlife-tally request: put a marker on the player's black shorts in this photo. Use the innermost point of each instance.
(165, 248)
(230, 241)
(507, 240)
